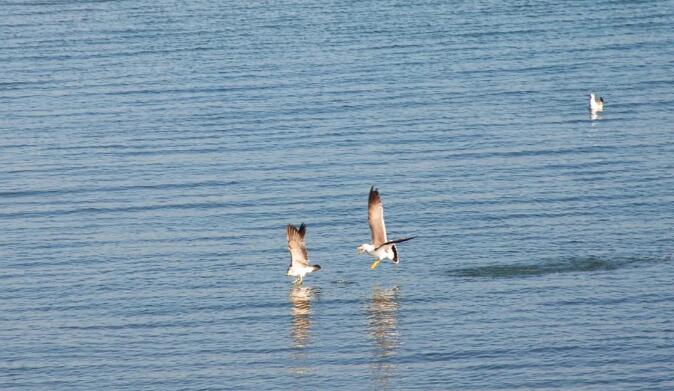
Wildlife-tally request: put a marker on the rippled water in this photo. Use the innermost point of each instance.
(151, 154)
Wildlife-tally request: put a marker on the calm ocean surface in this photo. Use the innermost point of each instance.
(151, 153)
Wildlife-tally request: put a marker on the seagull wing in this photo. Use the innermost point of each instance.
(298, 251)
(394, 241)
(375, 217)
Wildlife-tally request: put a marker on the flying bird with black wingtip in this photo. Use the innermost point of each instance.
(380, 248)
(299, 259)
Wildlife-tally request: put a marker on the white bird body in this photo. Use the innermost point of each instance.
(596, 104)
(381, 253)
(300, 271)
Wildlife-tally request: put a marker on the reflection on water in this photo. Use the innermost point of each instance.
(300, 298)
(594, 115)
(300, 330)
(382, 314)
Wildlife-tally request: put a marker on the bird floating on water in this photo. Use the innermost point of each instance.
(596, 104)
(380, 248)
(299, 260)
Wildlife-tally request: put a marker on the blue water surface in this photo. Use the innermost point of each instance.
(152, 152)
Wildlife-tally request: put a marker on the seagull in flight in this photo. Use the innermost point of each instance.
(299, 260)
(380, 248)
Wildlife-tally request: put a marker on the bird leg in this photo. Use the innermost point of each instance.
(298, 281)
(375, 264)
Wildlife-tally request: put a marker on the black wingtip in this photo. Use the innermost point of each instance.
(393, 242)
(316, 268)
(374, 194)
(402, 240)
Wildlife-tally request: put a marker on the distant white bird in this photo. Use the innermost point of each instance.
(596, 104)
(299, 260)
(380, 248)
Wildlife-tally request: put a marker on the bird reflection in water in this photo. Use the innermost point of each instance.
(300, 298)
(382, 314)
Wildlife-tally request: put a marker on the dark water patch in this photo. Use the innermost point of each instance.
(565, 265)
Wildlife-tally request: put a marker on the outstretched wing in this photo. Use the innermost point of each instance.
(298, 251)
(394, 241)
(375, 217)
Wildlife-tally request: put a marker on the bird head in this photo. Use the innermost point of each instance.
(365, 247)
